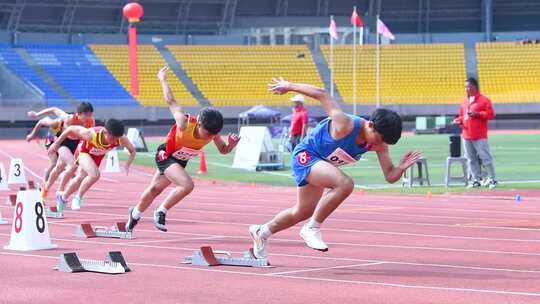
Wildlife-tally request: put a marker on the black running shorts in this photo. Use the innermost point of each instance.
(164, 163)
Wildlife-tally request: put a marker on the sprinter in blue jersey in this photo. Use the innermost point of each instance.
(338, 140)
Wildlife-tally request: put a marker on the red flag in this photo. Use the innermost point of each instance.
(356, 20)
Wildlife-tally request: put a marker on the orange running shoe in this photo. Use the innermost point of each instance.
(44, 195)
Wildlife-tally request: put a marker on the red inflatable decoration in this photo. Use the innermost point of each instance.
(133, 12)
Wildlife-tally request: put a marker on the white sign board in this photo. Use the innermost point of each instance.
(112, 164)
(137, 140)
(253, 141)
(3, 178)
(29, 229)
(16, 172)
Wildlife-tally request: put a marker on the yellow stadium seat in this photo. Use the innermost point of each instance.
(409, 73)
(509, 72)
(238, 75)
(115, 57)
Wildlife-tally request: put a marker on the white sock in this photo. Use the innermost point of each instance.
(162, 209)
(312, 223)
(135, 213)
(264, 231)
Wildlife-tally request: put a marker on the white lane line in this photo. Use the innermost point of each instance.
(325, 268)
(190, 268)
(172, 240)
(129, 244)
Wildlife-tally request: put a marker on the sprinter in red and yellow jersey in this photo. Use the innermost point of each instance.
(184, 141)
(63, 160)
(95, 143)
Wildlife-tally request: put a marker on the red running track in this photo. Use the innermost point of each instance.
(384, 248)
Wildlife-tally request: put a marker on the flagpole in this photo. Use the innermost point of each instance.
(361, 40)
(378, 68)
(354, 66)
(331, 61)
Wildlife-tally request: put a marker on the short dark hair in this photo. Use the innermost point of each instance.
(85, 107)
(388, 124)
(473, 81)
(211, 120)
(115, 127)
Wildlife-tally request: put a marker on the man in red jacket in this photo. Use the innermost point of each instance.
(474, 115)
(299, 121)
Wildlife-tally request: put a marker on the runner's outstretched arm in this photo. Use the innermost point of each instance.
(176, 109)
(341, 125)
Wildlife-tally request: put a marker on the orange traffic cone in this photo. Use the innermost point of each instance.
(202, 165)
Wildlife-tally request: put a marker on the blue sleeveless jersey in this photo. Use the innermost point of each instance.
(319, 145)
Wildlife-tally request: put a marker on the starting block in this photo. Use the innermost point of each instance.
(11, 200)
(118, 231)
(206, 256)
(52, 212)
(31, 185)
(114, 263)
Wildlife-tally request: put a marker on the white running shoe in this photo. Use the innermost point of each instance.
(474, 184)
(259, 243)
(76, 203)
(492, 184)
(313, 238)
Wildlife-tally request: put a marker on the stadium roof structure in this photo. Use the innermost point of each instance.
(218, 17)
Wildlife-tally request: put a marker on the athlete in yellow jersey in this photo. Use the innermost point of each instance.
(95, 143)
(63, 160)
(187, 136)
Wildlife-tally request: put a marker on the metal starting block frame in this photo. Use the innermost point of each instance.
(118, 231)
(114, 263)
(206, 256)
(52, 212)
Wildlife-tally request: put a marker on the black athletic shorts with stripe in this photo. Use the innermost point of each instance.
(163, 163)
